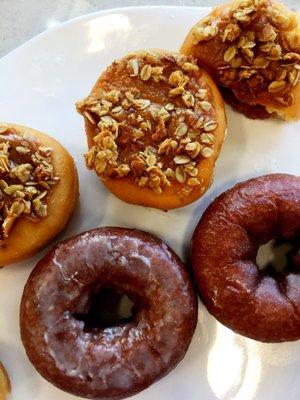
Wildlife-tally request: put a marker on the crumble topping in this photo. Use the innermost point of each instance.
(26, 179)
(153, 122)
(259, 54)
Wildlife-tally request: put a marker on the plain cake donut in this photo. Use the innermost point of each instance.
(119, 361)
(224, 247)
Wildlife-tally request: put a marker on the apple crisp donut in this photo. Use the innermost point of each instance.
(38, 191)
(155, 124)
(252, 49)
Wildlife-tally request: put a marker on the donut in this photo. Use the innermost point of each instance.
(246, 299)
(4, 383)
(38, 191)
(252, 49)
(155, 124)
(120, 360)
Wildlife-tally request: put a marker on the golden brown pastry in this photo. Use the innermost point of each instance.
(38, 191)
(155, 124)
(252, 49)
(4, 383)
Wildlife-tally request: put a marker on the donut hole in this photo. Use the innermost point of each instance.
(273, 257)
(108, 308)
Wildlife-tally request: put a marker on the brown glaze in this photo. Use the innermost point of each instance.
(224, 249)
(115, 362)
(251, 111)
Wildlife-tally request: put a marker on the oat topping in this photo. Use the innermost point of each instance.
(156, 128)
(26, 178)
(260, 56)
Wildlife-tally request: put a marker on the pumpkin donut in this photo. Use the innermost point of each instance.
(38, 189)
(155, 124)
(252, 49)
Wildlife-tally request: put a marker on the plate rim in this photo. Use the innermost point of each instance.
(88, 16)
(83, 19)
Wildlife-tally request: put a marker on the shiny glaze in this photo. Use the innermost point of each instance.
(15, 140)
(114, 362)
(224, 249)
(30, 142)
(252, 111)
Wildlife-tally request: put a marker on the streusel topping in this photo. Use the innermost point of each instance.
(26, 178)
(153, 121)
(256, 50)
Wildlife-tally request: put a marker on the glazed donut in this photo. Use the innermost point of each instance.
(115, 362)
(252, 48)
(155, 124)
(38, 191)
(224, 247)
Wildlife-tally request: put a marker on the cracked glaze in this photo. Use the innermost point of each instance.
(114, 362)
(224, 249)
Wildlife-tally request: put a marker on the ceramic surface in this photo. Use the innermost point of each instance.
(40, 83)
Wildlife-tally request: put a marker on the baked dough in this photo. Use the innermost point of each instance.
(39, 190)
(117, 361)
(4, 383)
(261, 304)
(155, 124)
(252, 47)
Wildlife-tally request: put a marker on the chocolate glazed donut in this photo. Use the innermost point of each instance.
(224, 248)
(122, 360)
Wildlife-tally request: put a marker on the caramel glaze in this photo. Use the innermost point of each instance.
(253, 90)
(224, 248)
(117, 76)
(252, 48)
(16, 158)
(116, 362)
(16, 140)
(252, 111)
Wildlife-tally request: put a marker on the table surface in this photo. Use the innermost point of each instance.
(23, 19)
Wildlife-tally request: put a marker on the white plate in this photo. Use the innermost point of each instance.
(39, 84)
